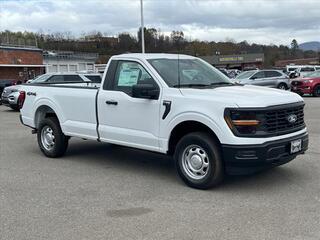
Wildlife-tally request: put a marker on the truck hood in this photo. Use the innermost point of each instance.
(244, 96)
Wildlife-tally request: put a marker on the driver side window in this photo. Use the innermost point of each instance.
(130, 73)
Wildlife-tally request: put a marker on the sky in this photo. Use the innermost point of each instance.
(264, 22)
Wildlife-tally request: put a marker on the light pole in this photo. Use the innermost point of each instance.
(142, 27)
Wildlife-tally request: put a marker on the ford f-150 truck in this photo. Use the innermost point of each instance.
(172, 104)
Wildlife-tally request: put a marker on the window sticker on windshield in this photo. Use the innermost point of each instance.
(128, 77)
(190, 73)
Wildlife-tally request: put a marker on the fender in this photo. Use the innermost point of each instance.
(47, 102)
(189, 116)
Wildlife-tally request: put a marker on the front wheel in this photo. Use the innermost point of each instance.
(198, 160)
(51, 140)
(316, 91)
(282, 86)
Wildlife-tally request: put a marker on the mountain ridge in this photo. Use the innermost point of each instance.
(312, 45)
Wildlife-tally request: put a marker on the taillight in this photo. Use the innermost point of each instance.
(21, 98)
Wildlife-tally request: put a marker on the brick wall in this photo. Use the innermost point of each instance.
(20, 73)
(19, 56)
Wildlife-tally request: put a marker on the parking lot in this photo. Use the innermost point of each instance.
(100, 191)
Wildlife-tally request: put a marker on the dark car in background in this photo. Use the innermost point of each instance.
(309, 84)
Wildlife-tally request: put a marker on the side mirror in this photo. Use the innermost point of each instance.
(148, 91)
(253, 78)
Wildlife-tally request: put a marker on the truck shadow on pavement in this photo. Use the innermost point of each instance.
(122, 158)
(128, 160)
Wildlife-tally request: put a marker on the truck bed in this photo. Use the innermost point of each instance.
(74, 102)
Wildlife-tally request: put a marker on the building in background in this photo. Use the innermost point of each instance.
(68, 61)
(20, 63)
(301, 61)
(99, 68)
(240, 61)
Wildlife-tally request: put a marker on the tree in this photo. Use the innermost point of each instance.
(177, 37)
(150, 38)
(294, 45)
(126, 42)
(294, 48)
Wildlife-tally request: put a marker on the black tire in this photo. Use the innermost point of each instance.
(14, 107)
(60, 142)
(316, 91)
(283, 86)
(215, 170)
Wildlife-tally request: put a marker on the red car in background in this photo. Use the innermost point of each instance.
(309, 84)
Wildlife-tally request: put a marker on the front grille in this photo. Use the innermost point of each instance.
(276, 121)
(296, 83)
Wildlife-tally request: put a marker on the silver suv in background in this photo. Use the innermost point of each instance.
(266, 78)
(10, 95)
(92, 78)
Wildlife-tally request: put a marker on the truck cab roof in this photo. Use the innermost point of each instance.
(146, 56)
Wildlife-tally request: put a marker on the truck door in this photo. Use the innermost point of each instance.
(123, 118)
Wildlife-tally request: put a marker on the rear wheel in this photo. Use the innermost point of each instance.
(51, 140)
(198, 160)
(282, 86)
(316, 91)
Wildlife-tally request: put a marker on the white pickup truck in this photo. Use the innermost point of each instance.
(172, 104)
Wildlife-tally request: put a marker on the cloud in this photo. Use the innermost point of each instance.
(262, 21)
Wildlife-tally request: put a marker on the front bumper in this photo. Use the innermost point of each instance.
(247, 159)
(302, 89)
(5, 101)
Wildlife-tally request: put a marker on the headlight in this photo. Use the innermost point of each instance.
(308, 81)
(242, 122)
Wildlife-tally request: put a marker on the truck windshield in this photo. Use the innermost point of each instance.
(193, 73)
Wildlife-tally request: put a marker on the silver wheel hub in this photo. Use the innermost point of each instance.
(47, 138)
(195, 162)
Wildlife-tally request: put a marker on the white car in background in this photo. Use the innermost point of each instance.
(294, 71)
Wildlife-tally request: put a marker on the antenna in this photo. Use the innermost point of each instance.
(179, 70)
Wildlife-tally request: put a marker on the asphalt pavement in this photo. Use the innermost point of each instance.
(101, 191)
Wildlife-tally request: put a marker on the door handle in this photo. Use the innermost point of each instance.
(111, 102)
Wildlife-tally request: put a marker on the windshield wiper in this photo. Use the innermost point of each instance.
(221, 83)
(191, 85)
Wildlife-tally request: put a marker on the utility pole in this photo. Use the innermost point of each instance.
(142, 27)
(36, 41)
